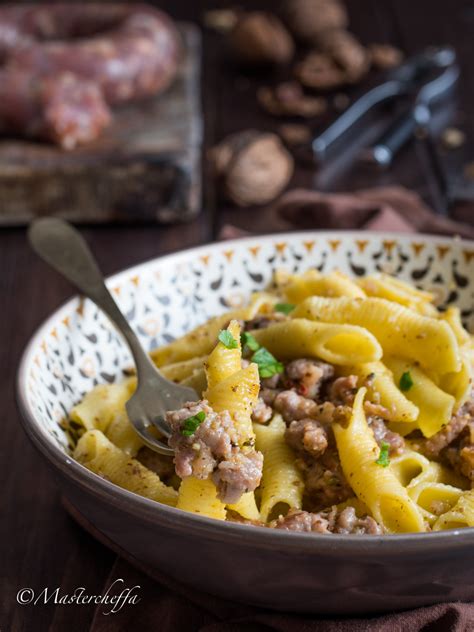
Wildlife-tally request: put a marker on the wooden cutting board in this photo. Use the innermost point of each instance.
(144, 168)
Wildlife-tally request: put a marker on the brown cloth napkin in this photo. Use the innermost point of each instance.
(390, 209)
(167, 606)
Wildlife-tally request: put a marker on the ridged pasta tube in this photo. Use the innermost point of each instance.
(122, 434)
(381, 388)
(313, 283)
(197, 342)
(282, 485)
(237, 394)
(102, 457)
(202, 339)
(337, 344)
(435, 406)
(222, 362)
(101, 404)
(179, 371)
(385, 286)
(376, 486)
(399, 330)
(433, 498)
(246, 507)
(200, 497)
(460, 516)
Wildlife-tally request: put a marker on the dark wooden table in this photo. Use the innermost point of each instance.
(40, 545)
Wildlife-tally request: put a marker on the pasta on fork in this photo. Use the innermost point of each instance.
(329, 405)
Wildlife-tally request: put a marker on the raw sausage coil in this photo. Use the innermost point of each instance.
(64, 65)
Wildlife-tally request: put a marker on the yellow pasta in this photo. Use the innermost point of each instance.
(460, 516)
(282, 485)
(122, 434)
(237, 394)
(102, 457)
(381, 389)
(382, 285)
(453, 317)
(434, 499)
(179, 371)
(412, 468)
(376, 486)
(200, 497)
(435, 406)
(223, 362)
(313, 283)
(459, 384)
(234, 390)
(202, 339)
(246, 507)
(398, 329)
(197, 381)
(337, 344)
(100, 405)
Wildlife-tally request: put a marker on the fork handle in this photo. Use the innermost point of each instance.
(64, 249)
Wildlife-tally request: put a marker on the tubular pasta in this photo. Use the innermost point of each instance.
(337, 344)
(435, 406)
(382, 389)
(282, 485)
(102, 457)
(376, 486)
(460, 516)
(399, 330)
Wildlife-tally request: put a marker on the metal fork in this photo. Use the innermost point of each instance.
(64, 249)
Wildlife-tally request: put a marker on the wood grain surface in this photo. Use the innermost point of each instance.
(40, 545)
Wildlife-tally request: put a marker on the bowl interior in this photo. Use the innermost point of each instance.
(78, 347)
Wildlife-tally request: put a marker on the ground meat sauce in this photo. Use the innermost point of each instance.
(213, 451)
(383, 435)
(454, 444)
(343, 521)
(65, 64)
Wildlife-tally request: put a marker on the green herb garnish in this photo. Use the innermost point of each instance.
(406, 381)
(384, 459)
(284, 308)
(191, 424)
(267, 364)
(248, 341)
(227, 339)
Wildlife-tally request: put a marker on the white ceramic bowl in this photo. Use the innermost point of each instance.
(77, 347)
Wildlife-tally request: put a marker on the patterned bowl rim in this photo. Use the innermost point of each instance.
(181, 521)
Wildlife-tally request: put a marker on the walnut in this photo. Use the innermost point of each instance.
(288, 99)
(221, 20)
(295, 134)
(384, 56)
(347, 53)
(260, 38)
(253, 167)
(307, 19)
(340, 59)
(319, 71)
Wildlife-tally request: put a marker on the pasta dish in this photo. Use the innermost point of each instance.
(328, 405)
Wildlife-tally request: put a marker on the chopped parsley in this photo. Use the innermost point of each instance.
(191, 424)
(267, 364)
(248, 341)
(227, 339)
(406, 381)
(284, 308)
(384, 459)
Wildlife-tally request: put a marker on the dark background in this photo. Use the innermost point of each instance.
(40, 545)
